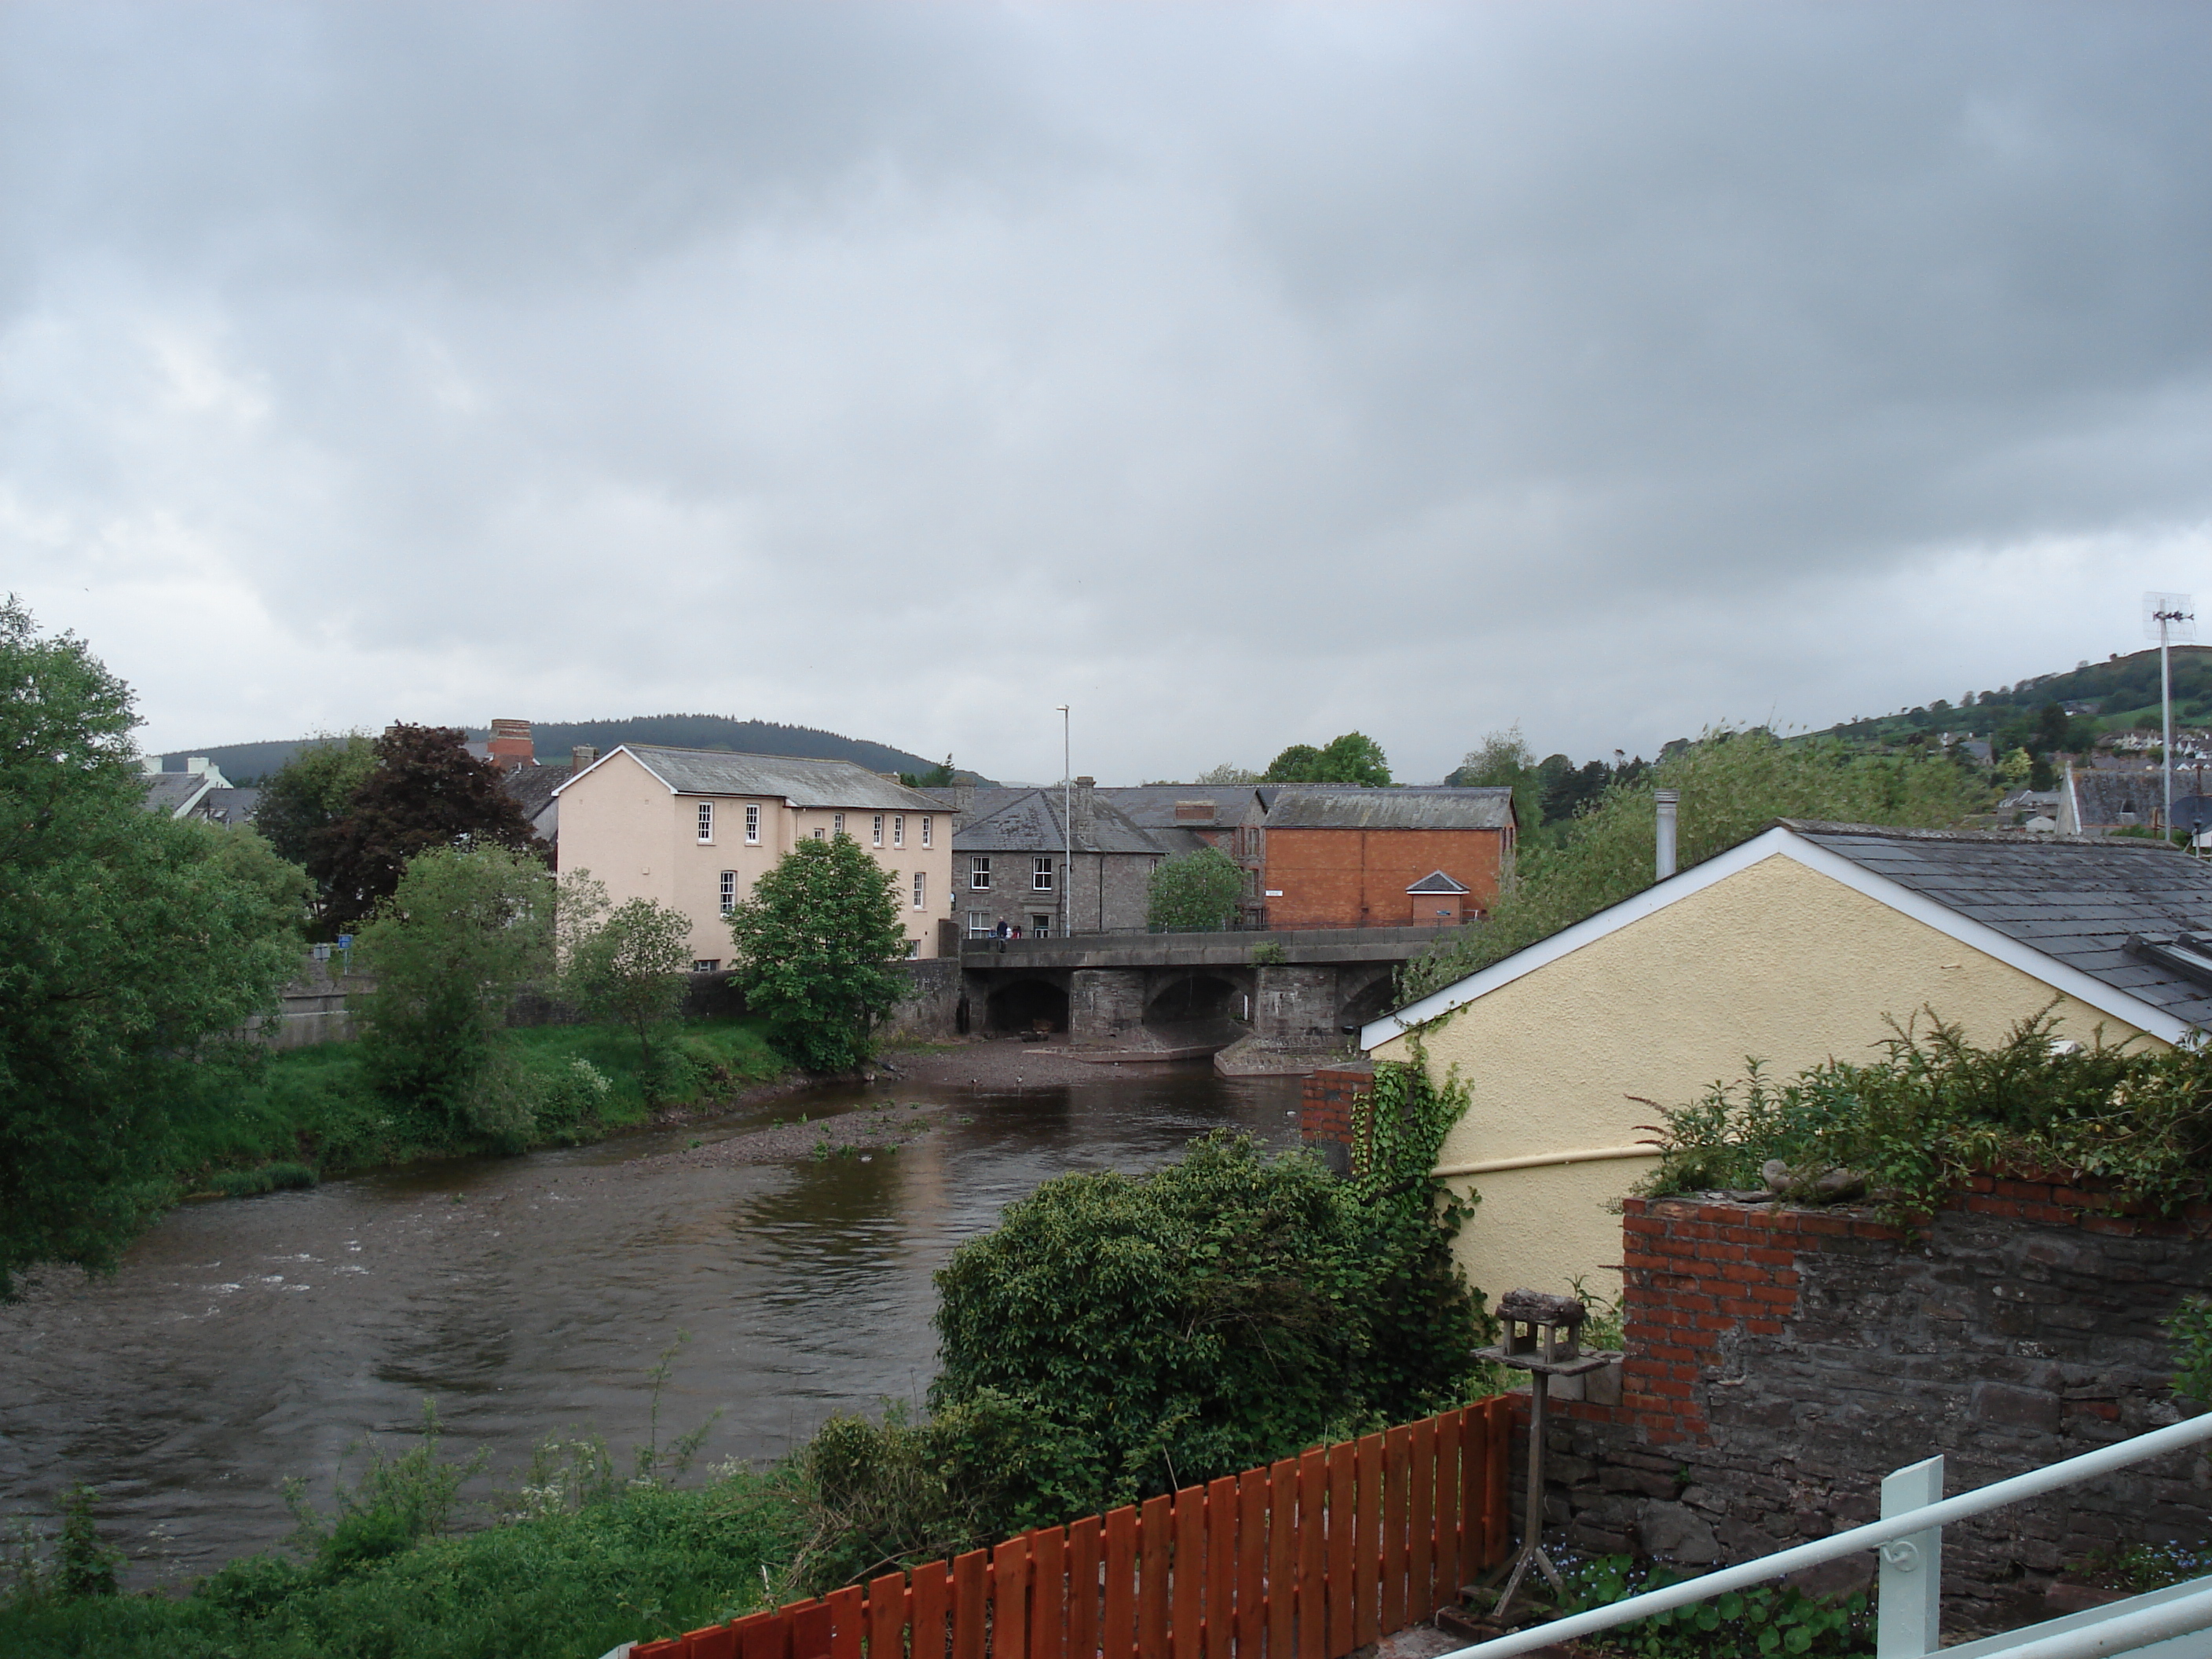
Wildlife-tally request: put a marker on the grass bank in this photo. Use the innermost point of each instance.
(306, 1113)
(571, 1585)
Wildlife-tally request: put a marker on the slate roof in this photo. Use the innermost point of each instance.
(1341, 806)
(2076, 899)
(172, 793)
(1029, 821)
(807, 782)
(1152, 805)
(1436, 882)
(2105, 798)
(233, 807)
(532, 787)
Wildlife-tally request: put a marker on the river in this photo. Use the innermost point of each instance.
(247, 1341)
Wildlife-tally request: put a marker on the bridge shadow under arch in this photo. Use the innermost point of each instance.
(1197, 1010)
(1026, 1004)
(1370, 1003)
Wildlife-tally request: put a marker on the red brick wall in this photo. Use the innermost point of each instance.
(1325, 1113)
(1359, 877)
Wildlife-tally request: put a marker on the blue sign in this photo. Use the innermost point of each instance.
(345, 941)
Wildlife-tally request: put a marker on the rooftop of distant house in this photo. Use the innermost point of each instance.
(805, 783)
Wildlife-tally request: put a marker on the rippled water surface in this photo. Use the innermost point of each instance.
(247, 1341)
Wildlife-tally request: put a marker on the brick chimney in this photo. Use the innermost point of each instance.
(1082, 809)
(511, 745)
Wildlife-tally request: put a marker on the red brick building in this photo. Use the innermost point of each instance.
(1333, 856)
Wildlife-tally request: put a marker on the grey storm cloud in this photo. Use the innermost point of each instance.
(1237, 374)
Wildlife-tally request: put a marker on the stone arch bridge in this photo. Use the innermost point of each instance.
(1260, 1000)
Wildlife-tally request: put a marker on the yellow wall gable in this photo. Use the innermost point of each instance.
(1777, 962)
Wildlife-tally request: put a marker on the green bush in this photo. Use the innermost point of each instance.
(77, 1564)
(879, 1492)
(1755, 1624)
(1220, 1312)
(2190, 1326)
(2137, 1568)
(269, 1178)
(815, 943)
(544, 1085)
(465, 930)
(649, 1561)
(1935, 1108)
(582, 1559)
(1194, 892)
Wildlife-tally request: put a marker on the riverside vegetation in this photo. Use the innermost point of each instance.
(135, 949)
(1116, 1336)
(1911, 1127)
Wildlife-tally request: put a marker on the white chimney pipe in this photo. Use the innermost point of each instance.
(1669, 802)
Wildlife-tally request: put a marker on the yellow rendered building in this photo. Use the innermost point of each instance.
(1791, 948)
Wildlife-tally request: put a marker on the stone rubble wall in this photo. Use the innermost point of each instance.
(1781, 1362)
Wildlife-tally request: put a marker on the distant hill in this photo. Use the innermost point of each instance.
(555, 738)
(2121, 693)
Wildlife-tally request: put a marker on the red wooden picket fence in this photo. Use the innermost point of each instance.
(1308, 1558)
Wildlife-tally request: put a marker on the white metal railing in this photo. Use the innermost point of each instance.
(1910, 1537)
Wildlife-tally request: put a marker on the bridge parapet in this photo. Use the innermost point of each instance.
(1218, 950)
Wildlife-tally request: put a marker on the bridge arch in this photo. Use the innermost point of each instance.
(1367, 999)
(1027, 1005)
(1198, 1007)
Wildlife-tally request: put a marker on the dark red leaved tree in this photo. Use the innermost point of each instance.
(425, 791)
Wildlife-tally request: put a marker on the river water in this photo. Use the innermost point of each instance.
(248, 1340)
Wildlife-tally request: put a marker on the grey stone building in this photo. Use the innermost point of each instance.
(1014, 861)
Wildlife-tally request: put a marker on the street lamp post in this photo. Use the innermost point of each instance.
(2171, 619)
(1067, 823)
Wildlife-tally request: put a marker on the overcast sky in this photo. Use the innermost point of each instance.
(1236, 374)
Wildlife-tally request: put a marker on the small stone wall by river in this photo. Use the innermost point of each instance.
(314, 1008)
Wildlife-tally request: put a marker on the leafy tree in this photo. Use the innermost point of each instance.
(1570, 793)
(1296, 764)
(1504, 760)
(1733, 785)
(1194, 891)
(312, 790)
(1499, 762)
(130, 946)
(815, 942)
(2015, 767)
(1227, 1310)
(1226, 774)
(464, 931)
(631, 969)
(425, 791)
(1354, 758)
(1350, 758)
(940, 776)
